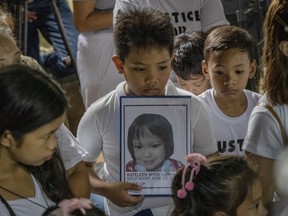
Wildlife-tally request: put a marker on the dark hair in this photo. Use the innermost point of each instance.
(228, 37)
(222, 184)
(94, 211)
(157, 125)
(188, 51)
(29, 100)
(142, 28)
(274, 63)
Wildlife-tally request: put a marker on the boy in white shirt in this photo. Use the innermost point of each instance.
(144, 45)
(228, 64)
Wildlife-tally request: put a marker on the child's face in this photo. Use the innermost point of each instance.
(228, 72)
(252, 205)
(146, 71)
(37, 146)
(9, 52)
(196, 85)
(149, 151)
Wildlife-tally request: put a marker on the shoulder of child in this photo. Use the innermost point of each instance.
(254, 95)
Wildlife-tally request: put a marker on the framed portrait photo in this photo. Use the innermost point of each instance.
(155, 138)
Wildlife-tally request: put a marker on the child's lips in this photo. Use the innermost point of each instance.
(230, 91)
(150, 162)
(152, 91)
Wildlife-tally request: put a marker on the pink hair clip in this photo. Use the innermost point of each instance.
(194, 161)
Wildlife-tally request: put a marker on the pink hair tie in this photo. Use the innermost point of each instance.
(194, 161)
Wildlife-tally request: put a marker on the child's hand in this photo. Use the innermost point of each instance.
(118, 194)
(69, 205)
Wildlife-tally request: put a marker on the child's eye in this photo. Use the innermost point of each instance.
(198, 84)
(155, 145)
(138, 69)
(239, 72)
(162, 67)
(137, 147)
(218, 72)
(48, 136)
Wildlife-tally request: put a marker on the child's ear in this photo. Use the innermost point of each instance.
(205, 69)
(253, 69)
(118, 64)
(283, 46)
(172, 56)
(6, 139)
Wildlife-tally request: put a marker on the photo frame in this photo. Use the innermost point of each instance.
(155, 138)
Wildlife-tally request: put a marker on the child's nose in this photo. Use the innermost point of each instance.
(230, 79)
(147, 153)
(152, 77)
(52, 142)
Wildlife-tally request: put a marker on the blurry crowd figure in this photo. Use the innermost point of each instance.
(97, 73)
(41, 18)
(267, 128)
(187, 62)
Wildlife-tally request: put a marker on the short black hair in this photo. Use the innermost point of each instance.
(228, 37)
(142, 28)
(188, 54)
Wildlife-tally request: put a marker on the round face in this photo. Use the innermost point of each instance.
(195, 85)
(37, 146)
(228, 72)
(149, 151)
(252, 205)
(9, 52)
(146, 71)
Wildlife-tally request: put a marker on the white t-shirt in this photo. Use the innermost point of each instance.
(193, 15)
(99, 130)
(3, 210)
(23, 207)
(70, 150)
(229, 131)
(264, 136)
(97, 73)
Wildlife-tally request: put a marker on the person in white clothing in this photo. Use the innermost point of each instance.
(97, 73)
(71, 151)
(199, 15)
(144, 46)
(228, 63)
(32, 174)
(188, 56)
(266, 138)
(186, 15)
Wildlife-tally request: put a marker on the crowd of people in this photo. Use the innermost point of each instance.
(236, 138)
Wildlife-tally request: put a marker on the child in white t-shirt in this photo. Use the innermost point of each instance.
(144, 45)
(228, 64)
